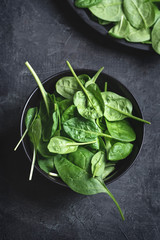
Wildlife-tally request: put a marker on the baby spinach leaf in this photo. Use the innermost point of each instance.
(156, 37)
(49, 121)
(30, 116)
(101, 123)
(140, 13)
(67, 87)
(121, 130)
(84, 78)
(94, 78)
(119, 151)
(43, 149)
(98, 164)
(63, 105)
(107, 171)
(63, 145)
(108, 10)
(81, 130)
(47, 165)
(118, 108)
(70, 112)
(82, 158)
(123, 29)
(86, 3)
(91, 103)
(90, 106)
(79, 180)
(95, 145)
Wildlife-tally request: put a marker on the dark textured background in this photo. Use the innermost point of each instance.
(46, 33)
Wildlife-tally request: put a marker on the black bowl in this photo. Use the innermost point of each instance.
(102, 30)
(113, 85)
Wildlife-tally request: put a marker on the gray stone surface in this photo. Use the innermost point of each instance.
(46, 33)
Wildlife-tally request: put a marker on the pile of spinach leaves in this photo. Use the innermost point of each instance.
(132, 20)
(79, 133)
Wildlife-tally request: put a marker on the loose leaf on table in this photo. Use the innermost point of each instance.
(86, 3)
(89, 101)
(98, 164)
(63, 145)
(123, 29)
(30, 116)
(79, 180)
(82, 158)
(140, 13)
(94, 78)
(119, 151)
(156, 37)
(121, 130)
(34, 133)
(67, 87)
(108, 10)
(118, 108)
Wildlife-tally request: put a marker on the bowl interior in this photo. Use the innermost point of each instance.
(113, 85)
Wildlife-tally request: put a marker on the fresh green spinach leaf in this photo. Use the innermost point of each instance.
(119, 151)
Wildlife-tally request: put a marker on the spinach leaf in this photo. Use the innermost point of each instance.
(47, 165)
(49, 121)
(34, 133)
(81, 158)
(70, 112)
(90, 104)
(118, 108)
(140, 13)
(101, 123)
(83, 130)
(98, 164)
(156, 37)
(43, 149)
(119, 151)
(30, 116)
(84, 78)
(108, 170)
(123, 29)
(79, 180)
(67, 87)
(63, 145)
(94, 78)
(63, 105)
(86, 3)
(108, 10)
(121, 130)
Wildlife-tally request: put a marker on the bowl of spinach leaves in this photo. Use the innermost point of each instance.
(133, 23)
(82, 129)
